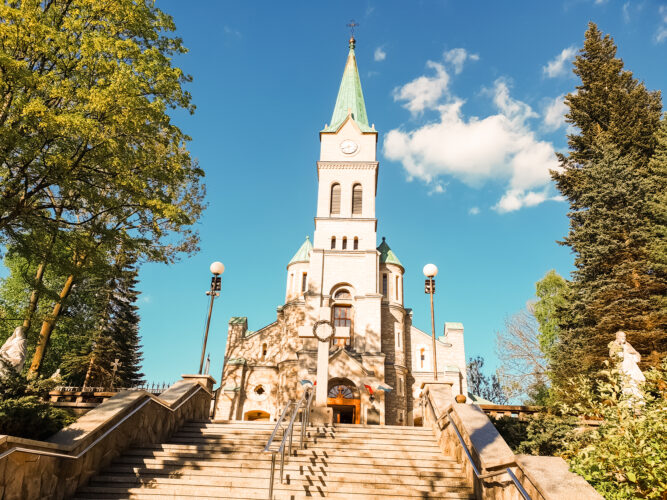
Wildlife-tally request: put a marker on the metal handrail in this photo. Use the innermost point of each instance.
(302, 405)
(479, 475)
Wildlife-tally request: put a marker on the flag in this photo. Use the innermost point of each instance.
(384, 387)
(369, 389)
(306, 382)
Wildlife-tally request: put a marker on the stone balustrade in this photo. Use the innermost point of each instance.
(55, 468)
(543, 478)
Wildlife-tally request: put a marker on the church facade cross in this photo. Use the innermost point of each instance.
(352, 24)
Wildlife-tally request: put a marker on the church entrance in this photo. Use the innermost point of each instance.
(343, 398)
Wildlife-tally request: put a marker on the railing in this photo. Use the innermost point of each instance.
(302, 405)
(424, 400)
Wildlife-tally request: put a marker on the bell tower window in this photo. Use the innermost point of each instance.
(356, 199)
(335, 199)
(384, 285)
(356, 243)
(304, 280)
(344, 243)
(333, 242)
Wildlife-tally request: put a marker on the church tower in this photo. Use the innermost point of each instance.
(344, 278)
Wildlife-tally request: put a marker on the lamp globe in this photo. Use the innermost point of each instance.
(217, 268)
(430, 270)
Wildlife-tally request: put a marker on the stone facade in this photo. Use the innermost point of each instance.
(378, 360)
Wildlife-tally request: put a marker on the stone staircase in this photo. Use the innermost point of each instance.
(224, 460)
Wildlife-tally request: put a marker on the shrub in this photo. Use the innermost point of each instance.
(24, 411)
(31, 417)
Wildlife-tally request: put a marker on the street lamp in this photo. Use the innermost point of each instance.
(430, 271)
(217, 268)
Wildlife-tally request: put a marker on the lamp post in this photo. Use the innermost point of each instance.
(217, 268)
(430, 271)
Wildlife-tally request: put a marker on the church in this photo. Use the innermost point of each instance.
(377, 359)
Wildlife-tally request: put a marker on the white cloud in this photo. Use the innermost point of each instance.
(661, 34)
(626, 12)
(474, 211)
(554, 113)
(380, 54)
(425, 91)
(556, 67)
(600, 2)
(456, 57)
(499, 147)
(231, 32)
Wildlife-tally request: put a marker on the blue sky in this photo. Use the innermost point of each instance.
(467, 99)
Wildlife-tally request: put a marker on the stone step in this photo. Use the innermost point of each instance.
(361, 465)
(258, 491)
(332, 443)
(350, 428)
(351, 438)
(347, 474)
(322, 452)
(325, 481)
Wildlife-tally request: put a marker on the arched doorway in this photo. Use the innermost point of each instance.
(257, 415)
(343, 397)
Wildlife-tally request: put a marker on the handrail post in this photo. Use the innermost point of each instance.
(273, 473)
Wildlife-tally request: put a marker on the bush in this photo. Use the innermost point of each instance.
(24, 411)
(626, 456)
(31, 417)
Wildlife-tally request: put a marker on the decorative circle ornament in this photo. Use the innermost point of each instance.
(348, 147)
(317, 325)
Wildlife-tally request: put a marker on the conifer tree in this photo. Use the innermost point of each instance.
(619, 282)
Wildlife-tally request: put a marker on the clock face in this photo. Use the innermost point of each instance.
(348, 147)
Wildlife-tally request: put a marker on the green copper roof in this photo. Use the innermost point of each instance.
(303, 253)
(350, 97)
(386, 255)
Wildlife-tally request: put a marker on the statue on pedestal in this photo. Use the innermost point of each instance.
(13, 352)
(626, 358)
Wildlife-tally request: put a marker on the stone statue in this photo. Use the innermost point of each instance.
(627, 358)
(13, 351)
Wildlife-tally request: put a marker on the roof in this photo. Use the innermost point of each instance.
(350, 100)
(303, 253)
(386, 255)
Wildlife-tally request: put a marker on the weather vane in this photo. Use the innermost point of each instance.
(352, 24)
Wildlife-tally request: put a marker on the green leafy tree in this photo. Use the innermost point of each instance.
(551, 304)
(609, 182)
(88, 152)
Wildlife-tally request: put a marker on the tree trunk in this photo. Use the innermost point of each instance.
(34, 296)
(47, 327)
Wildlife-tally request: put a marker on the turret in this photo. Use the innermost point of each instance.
(297, 271)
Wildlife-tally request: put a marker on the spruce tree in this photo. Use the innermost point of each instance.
(616, 213)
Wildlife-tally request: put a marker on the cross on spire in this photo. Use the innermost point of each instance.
(352, 24)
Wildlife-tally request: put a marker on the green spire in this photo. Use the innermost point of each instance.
(386, 255)
(303, 253)
(350, 97)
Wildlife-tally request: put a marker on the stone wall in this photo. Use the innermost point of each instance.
(55, 468)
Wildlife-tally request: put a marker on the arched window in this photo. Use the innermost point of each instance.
(335, 199)
(356, 243)
(333, 242)
(344, 242)
(356, 199)
(422, 357)
(264, 350)
(342, 295)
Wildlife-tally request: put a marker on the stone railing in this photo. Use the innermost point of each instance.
(466, 432)
(55, 468)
